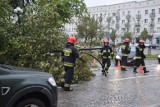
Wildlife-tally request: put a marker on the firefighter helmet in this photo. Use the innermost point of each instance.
(141, 41)
(105, 41)
(72, 40)
(126, 40)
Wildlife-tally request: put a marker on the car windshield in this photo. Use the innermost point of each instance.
(133, 48)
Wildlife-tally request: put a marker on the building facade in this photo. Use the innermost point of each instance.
(132, 16)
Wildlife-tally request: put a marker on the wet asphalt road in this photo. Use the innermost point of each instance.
(118, 89)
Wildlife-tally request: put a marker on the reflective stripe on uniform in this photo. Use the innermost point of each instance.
(68, 64)
(106, 57)
(67, 52)
(138, 57)
(66, 85)
(124, 54)
(135, 67)
(62, 80)
(123, 66)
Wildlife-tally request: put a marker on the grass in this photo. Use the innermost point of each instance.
(151, 55)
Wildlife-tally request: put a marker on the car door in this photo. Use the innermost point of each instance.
(0, 91)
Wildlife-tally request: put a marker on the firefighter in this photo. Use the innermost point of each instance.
(140, 57)
(69, 56)
(106, 56)
(125, 51)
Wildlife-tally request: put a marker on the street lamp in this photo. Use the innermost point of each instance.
(150, 44)
(18, 11)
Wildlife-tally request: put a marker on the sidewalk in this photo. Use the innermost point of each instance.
(118, 89)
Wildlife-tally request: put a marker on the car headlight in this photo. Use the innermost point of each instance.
(52, 81)
(118, 57)
(158, 56)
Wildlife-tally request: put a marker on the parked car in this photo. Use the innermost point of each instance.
(24, 87)
(130, 56)
(159, 58)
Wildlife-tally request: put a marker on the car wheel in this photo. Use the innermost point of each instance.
(32, 102)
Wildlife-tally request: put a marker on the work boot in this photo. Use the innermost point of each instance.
(62, 84)
(103, 71)
(145, 71)
(123, 69)
(106, 69)
(68, 89)
(135, 71)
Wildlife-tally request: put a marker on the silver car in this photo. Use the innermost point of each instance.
(130, 56)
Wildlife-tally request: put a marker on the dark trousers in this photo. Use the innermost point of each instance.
(124, 62)
(104, 62)
(139, 62)
(69, 73)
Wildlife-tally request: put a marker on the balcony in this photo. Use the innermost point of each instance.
(117, 17)
(152, 15)
(151, 24)
(127, 25)
(137, 24)
(117, 26)
(138, 16)
(128, 16)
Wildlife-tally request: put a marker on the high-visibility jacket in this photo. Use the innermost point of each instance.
(69, 55)
(140, 52)
(125, 49)
(106, 52)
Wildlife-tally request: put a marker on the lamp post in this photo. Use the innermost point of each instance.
(18, 11)
(150, 40)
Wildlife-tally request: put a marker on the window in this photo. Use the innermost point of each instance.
(123, 21)
(158, 29)
(157, 40)
(138, 30)
(129, 12)
(159, 10)
(100, 14)
(145, 20)
(145, 28)
(153, 10)
(158, 20)
(123, 13)
(139, 12)
(146, 12)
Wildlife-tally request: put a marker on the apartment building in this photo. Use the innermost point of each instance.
(132, 16)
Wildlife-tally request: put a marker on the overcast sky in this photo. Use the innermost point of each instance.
(91, 3)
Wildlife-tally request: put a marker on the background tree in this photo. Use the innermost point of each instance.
(87, 27)
(127, 35)
(30, 43)
(113, 35)
(101, 28)
(144, 35)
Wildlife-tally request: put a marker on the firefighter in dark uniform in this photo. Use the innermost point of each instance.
(140, 57)
(125, 51)
(106, 56)
(69, 56)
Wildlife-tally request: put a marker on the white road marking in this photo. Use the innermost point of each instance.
(129, 78)
(155, 105)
